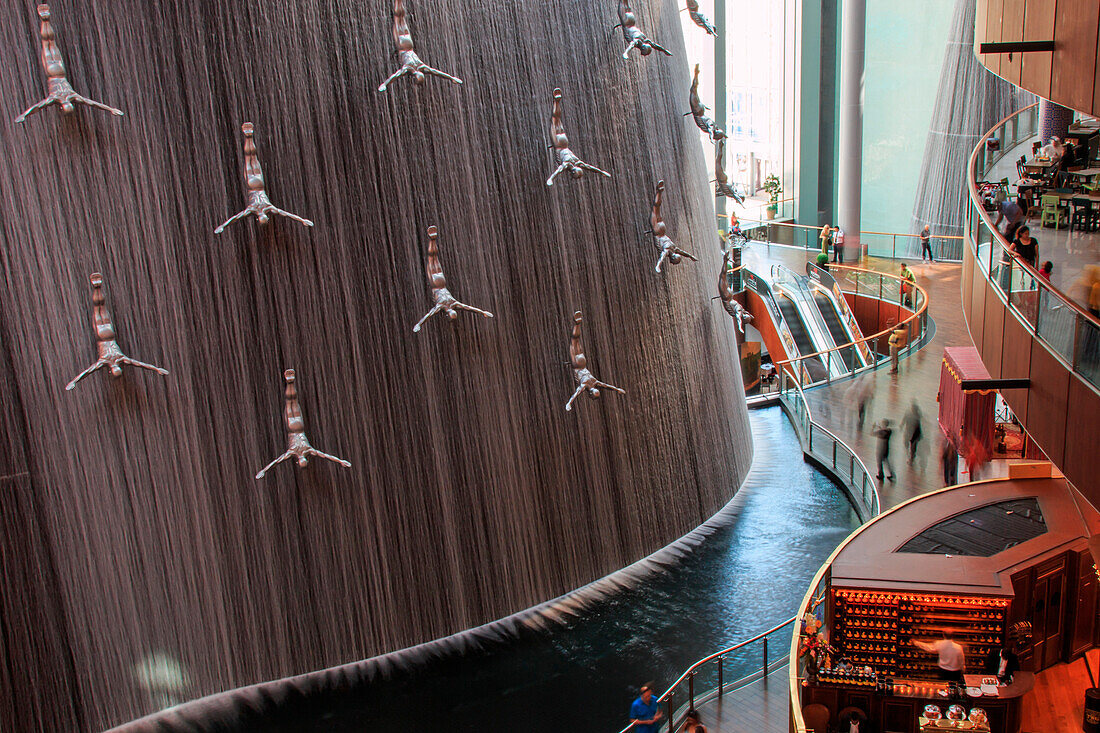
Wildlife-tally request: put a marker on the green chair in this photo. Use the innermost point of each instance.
(1053, 210)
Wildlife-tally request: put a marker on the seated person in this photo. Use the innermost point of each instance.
(1002, 662)
(1052, 150)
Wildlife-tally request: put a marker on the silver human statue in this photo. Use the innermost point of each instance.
(633, 35)
(666, 246)
(298, 446)
(442, 297)
(110, 354)
(58, 89)
(569, 160)
(410, 62)
(737, 312)
(721, 185)
(699, 19)
(259, 205)
(699, 111)
(586, 380)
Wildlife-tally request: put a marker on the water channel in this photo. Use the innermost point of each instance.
(583, 674)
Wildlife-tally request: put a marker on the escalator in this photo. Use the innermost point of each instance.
(815, 369)
(836, 329)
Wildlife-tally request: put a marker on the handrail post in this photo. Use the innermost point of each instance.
(765, 661)
(720, 690)
(834, 455)
(668, 711)
(691, 692)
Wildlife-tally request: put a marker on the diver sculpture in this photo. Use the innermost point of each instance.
(58, 89)
(110, 354)
(633, 35)
(736, 311)
(441, 296)
(569, 160)
(721, 185)
(406, 56)
(259, 205)
(699, 111)
(667, 248)
(699, 19)
(298, 446)
(586, 380)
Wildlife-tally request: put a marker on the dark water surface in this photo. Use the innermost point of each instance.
(582, 676)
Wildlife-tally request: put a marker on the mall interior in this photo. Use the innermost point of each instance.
(743, 352)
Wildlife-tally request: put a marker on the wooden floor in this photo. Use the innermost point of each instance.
(1057, 704)
(757, 708)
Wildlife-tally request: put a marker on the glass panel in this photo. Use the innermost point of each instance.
(1088, 350)
(1024, 296)
(1056, 323)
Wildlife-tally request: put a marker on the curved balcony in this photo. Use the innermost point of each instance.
(1024, 327)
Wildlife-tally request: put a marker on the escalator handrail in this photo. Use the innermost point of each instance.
(832, 290)
(918, 314)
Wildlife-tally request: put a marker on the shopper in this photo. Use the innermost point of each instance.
(883, 432)
(1026, 246)
(976, 458)
(926, 244)
(908, 281)
(838, 245)
(1002, 662)
(895, 342)
(646, 713)
(863, 394)
(1046, 270)
(913, 430)
(952, 658)
(949, 458)
(1011, 212)
(691, 723)
(826, 240)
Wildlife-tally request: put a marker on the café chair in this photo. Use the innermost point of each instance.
(816, 717)
(1084, 214)
(1020, 166)
(1053, 209)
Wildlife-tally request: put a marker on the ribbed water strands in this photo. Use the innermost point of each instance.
(969, 100)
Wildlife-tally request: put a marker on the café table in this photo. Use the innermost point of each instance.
(1043, 167)
(1085, 174)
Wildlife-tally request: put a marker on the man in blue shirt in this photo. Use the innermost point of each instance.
(646, 713)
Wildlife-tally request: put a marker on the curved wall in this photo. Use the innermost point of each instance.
(132, 525)
(1068, 74)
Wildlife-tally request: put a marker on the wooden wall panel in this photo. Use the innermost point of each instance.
(993, 333)
(993, 14)
(1074, 60)
(1012, 29)
(1048, 402)
(1038, 26)
(1083, 420)
(1016, 362)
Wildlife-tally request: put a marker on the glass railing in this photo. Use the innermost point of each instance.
(829, 450)
(879, 244)
(882, 287)
(1065, 327)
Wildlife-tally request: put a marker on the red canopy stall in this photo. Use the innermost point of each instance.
(965, 414)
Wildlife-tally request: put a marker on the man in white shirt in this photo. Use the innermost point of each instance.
(952, 658)
(1053, 149)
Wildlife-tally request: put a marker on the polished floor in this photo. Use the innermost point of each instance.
(760, 707)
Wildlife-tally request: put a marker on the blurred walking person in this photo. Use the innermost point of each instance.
(883, 432)
(913, 430)
(949, 458)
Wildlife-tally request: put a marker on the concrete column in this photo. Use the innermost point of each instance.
(850, 165)
(1054, 120)
(720, 103)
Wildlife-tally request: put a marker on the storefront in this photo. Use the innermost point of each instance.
(1004, 564)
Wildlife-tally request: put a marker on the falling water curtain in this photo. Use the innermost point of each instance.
(970, 99)
(134, 535)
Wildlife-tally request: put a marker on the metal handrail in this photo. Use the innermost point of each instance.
(942, 238)
(919, 313)
(689, 675)
(875, 505)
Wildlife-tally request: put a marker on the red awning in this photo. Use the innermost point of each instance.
(965, 414)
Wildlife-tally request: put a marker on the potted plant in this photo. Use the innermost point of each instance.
(773, 188)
